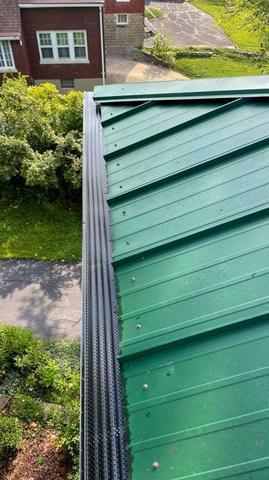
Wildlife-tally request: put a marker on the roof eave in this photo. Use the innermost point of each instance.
(61, 5)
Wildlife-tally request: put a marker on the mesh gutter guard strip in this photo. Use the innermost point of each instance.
(103, 448)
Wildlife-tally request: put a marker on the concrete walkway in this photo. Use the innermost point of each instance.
(131, 65)
(43, 296)
(186, 25)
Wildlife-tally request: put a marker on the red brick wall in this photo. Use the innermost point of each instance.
(133, 6)
(20, 59)
(63, 19)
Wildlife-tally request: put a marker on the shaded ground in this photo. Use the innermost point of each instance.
(130, 65)
(38, 459)
(43, 296)
(186, 25)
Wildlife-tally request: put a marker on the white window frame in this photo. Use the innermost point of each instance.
(120, 24)
(7, 68)
(54, 46)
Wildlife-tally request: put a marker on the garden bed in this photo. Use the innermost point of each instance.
(38, 440)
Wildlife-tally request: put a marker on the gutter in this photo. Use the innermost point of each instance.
(103, 435)
(10, 37)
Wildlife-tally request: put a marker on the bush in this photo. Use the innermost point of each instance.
(39, 370)
(27, 409)
(14, 341)
(162, 49)
(66, 422)
(40, 140)
(11, 436)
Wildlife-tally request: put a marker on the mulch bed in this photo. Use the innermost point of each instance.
(38, 459)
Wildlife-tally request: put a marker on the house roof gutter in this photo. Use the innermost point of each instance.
(9, 37)
(103, 445)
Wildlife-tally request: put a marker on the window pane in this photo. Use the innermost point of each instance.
(79, 38)
(47, 52)
(2, 63)
(63, 52)
(122, 19)
(6, 59)
(62, 38)
(80, 52)
(45, 39)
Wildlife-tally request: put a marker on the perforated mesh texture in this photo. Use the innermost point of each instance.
(103, 449)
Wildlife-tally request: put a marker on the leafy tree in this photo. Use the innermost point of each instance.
(255, 12)
(40, 139)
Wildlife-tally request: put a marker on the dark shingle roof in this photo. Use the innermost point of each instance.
(10, 23)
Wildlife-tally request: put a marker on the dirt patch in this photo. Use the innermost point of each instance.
(38, 459)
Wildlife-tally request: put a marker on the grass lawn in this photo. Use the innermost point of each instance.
(151, 13)
(236, 28)
(219, 66)
(44, 232)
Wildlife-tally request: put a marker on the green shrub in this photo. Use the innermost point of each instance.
(40, 140)
(11, 436)
(14, 341)
(27, 409)
(39, 370)
(162, 49)
(66, 422)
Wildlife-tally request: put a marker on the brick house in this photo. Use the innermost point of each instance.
(64, 41)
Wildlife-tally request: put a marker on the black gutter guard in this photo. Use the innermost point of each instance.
(103, 444)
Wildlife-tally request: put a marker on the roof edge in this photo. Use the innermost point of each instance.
(217, 88)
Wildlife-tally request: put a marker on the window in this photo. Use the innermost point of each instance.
(68, 83)
(62, 46)
(122, 19)
(6, 56)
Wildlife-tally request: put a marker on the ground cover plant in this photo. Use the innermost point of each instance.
(41, 380)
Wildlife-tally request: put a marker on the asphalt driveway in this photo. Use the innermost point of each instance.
(186, 25)
(43, 296)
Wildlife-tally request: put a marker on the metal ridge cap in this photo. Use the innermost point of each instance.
(228, 87)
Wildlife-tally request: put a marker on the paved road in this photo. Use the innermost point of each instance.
(130, 65)
(186, 26)
(43, 296)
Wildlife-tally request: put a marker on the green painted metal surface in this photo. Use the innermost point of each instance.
(189, 199)
(235, 87)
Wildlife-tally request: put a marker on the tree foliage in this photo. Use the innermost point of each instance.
(255, 12)
(40, 139)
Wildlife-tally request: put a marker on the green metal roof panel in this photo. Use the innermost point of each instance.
(234, 87)
(189, 196)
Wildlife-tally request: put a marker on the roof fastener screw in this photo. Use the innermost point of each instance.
(138, 326)
(155, 465)
(145, 386)
(133, 279)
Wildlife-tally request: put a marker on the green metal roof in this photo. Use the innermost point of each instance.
(189, 197)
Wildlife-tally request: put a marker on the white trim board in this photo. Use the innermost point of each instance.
(61, 5)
